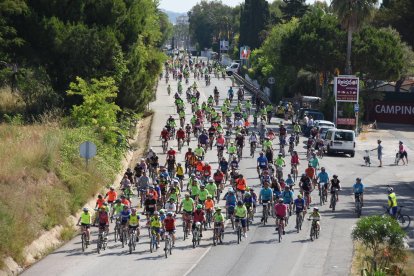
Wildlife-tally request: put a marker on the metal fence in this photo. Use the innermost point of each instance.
(252, 89)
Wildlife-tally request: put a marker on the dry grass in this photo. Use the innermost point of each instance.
(10, 103)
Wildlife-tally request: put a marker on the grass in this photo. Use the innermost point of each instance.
(43, 180)
(358, 262)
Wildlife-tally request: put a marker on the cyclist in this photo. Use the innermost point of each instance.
(203, 139)
(111, 195)
(211, 187)
(155, 224)
(253, 139)
(266, 194)
(358, 189)
(280, 161)
(241, 215)
(209, 204)
(287, 196)
(187, 158)
(314, 161)
(267, 144)
(262, 162)
(150, 205)
(86, 220)
(224, 166)
(305, 185)
(170, 206)
(179, 174)
(323, 177)
(282, 130)
(124, 216)
(248, 202)
(334, 186)
(317, 215)
(231, 150)
(199, 216)
(281, 213)
(99, 202)
(199, 152)
(202, 194)
(392, 202)
(206, 170)
(194, 186)
(169, 226)
(187, 205)
(296, 128)
(310, 172)
(133, 222)
(241, 185)
(180, 135)
(299, 206)
(218, 219)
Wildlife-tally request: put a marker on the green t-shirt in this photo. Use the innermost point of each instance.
(232, 149)
(240, 212)
(267, 144)
(199, 151)
(218, 217)
(211, 188)
(188, 205)
(314, 162)
(195, 189)
(118, 208)
(279, 162)
(202, 194)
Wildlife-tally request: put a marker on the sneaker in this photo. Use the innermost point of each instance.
(296, 227)
(330, 206)
(201, 235)
(284, 232)
(277, 229)
(245, 235)
(158, 246)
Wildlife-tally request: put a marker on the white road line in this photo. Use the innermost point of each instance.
(197, 262)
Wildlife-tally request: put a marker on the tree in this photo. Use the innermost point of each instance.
(398, 14)
(352, 14)
(293, 8)
(384, 239)
(254, 17)
(98, 107)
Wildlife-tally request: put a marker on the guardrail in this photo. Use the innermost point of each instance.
(252, 89)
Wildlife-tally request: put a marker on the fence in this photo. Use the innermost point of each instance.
(252, 89)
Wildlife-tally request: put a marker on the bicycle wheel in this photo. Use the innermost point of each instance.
(170, 246)
(115, 233)
(151, 243)
(312, 233)
(232, 221)
(98, 244)
(131, 238)
(166, 248)
(404, 221)
(333, 203)
(83, 237)
(316, 233)
(279, 230)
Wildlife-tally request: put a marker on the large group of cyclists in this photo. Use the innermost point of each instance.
(162, 194)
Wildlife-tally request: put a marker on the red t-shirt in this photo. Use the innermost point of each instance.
(181, 134)
(199, 216)
(169, 224)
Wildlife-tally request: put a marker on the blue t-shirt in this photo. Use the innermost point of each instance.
(262, 161)
(287, 197)
(224, 166)
(231, 200)
(266, 194)
(203, 138)
(300, 204)
(323, 177)
(125, 215)
(358, 188)
(289, 181)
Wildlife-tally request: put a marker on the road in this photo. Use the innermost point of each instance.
(260, 253)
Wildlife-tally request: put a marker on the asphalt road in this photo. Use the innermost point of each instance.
(260, 253)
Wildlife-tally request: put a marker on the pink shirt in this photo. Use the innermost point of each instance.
(402, 148)
(281, 210)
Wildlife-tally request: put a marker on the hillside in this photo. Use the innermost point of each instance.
(172, 16)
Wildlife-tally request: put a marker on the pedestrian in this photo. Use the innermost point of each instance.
(379, 152)
(403, 153)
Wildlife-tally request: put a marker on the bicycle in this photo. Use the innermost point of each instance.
(123, 236)
(186, 221)
(280, 227)
(153, 240)
(314, 233)
(102, 240)
(218, 234)
(164, 145)
(358, 205)
(252, 149)
(403, 219)
(117, 230)
(333, 199)
(265, 212)
(209, 217)
(196, 234)
(239, 230)
(168, 244)
(230, 215)
(133, 238)
(323, 193)
(84, 238)
(299, 221)
(180, 144)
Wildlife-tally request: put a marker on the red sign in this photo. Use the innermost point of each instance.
(394, 112)
(345, 121)
(346, 88)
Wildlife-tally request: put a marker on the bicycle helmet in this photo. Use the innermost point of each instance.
(169, 214)
(335, 176)
(175, 181)
(118, 201)
(209, 196)
(280, 200)
(85, 209)
(199, 206)
(239, 203)
(171, 199)
(315, 208)
(247, 194)
(210, 180)
(112, 188)
(156, 213)
(300, 196)
(162, 211)
(218, 209)
(390, 190)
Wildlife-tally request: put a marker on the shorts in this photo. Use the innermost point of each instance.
(163, 190)
(188, 212)
(110, 202)
(241, 191)
(230, 209)
(403, 154)
(242, 220)
(393, 210)
(86, 225)
(150, 212)
(123, 222)
(281, 218)
(155, 230)
(358, 195)
(102, 225)
(298, 211)
(170, 231)
(180, 177)
(133, 227)
(265, 201)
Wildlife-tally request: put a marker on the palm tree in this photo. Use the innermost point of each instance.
(352, 14)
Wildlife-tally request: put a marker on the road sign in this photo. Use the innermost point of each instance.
(346, 88)
(356, 108)
(87, 150)
(271, 80)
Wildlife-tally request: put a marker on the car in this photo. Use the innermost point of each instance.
(316, 115)
(324, 129)
(340, 141)
(233, 68)
(323, 123)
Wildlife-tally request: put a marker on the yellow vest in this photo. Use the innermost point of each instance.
(86, 218)
(392, 200)
(133, 220)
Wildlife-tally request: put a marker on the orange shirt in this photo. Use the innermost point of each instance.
(209, 204)
(241, 184)
(154, 193)
(199, 166)
(310, 172)
(100, 202)
(246, 123)
(125, 202)
(112, 195)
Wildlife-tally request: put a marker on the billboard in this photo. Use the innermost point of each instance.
(224, 45)
(346, 121)
(346, 88)
(245, 52)
(393, 112)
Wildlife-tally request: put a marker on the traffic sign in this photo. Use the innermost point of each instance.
(271, 80)
(356, 107)
(87, 150)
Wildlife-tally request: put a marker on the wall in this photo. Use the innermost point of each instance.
(394, 108)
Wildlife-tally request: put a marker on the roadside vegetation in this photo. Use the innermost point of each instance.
(69, 73)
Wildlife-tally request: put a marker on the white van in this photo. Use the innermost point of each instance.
(340, 140)
(233, 68)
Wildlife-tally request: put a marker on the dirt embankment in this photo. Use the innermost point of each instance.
(52, 239)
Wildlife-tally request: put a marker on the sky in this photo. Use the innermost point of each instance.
(186, 5)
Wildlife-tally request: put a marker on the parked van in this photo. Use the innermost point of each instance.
(340, 140)
(233, 68)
